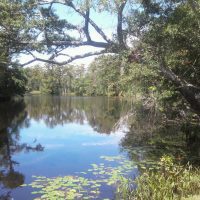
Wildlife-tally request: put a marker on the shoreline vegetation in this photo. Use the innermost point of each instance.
(164, 180)
(158, 179)
(151, 57)
(167, 178)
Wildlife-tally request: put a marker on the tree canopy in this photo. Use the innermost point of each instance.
(165, 36)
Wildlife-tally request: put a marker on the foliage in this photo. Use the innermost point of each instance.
(108, 75)
(15, 21)
(12, 82)
(21, 24)
(167, 181)
(168, 35)
(170, 32)
(165, 46)
(104, 74)
(53, 79)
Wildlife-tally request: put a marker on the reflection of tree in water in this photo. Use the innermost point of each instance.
(12, 118)
(54, 110)
(147, 133)
(149, 138)
(101, 113)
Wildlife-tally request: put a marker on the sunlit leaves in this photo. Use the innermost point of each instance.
(167, 181)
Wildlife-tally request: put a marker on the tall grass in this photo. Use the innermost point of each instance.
(166, 181)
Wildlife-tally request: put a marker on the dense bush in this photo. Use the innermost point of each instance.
(165, 181)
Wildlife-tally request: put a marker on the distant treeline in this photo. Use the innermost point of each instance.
(161, 60)
(106, 76)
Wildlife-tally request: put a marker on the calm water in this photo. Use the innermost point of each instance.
(59, 136)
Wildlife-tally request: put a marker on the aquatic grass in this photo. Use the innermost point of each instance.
(165, 181)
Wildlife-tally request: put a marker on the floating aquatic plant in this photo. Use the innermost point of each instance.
(80, 187)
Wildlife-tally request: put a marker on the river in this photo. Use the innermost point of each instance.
(47, 139)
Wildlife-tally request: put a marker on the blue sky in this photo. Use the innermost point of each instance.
(106, 21)
(103, 19)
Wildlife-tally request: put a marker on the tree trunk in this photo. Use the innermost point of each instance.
(192, 95)
(190, 92)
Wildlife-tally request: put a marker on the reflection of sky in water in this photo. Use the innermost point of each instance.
(68, 135)
(75, 133)
(68, 148)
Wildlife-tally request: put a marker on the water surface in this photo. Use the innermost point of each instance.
(55, 136)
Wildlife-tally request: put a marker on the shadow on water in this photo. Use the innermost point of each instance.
(13, 117)
(150, 137)
(147, 136)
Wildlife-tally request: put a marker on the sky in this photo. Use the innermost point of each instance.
(104, 20)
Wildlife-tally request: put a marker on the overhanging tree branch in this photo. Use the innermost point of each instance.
(50, 43)
(71, 59)
(66, 44)
(70, 4)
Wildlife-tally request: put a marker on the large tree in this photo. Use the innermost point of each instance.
(168, 29)
(55, 33)
(15, 21)
(170, 32)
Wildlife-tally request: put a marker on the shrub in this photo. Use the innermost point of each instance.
(165, 181)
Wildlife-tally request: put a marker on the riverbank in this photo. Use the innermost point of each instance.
(165, 180)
